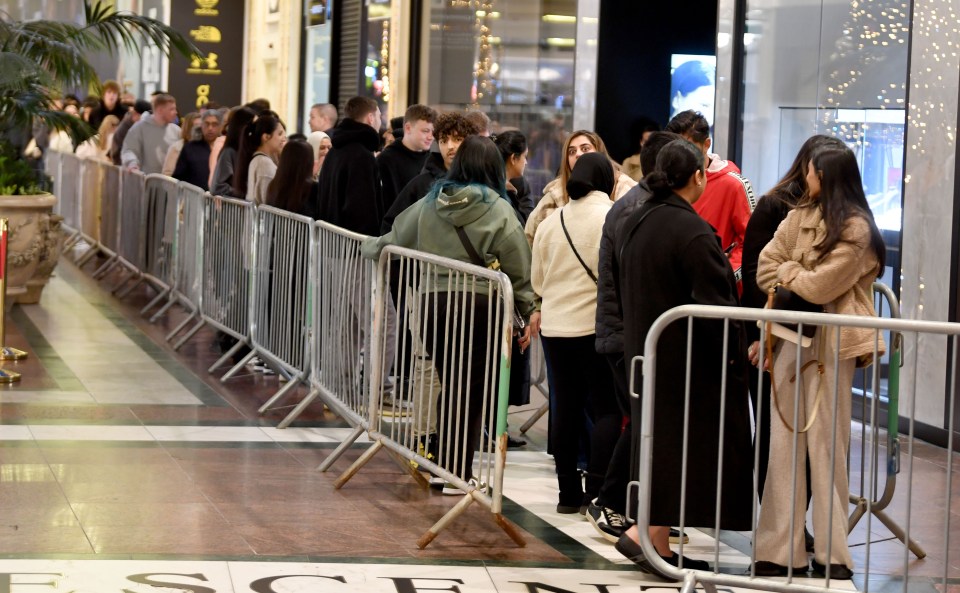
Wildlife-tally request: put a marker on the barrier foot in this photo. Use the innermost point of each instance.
(690, 584)
(227, 355)
(70, 241)
(9, 376)
(193, 331)
(299, 408)
(858, 512)
(238, 366)
(355, 467)
(536, 416)
(180, 326)
(510, 529)
(8, 353)
(105, 267)
(162, 294)
(94, 249)
(281, 393)
(129, 289)
(166, 307)
(898, 532)
(404, 464)
(343, 446)
(445, 520)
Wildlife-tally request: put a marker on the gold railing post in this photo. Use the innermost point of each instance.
(6, 353)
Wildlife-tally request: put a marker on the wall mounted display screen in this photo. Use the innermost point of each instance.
(693, 84)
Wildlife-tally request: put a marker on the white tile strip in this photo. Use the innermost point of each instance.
(289, 577)
(110, 365)
(184, 434)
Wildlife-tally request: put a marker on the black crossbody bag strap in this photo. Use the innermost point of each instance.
(575, 252)
(471, 250)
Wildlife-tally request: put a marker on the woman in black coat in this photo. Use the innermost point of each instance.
(671, 257)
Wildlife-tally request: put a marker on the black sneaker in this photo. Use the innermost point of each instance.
(515, 442)
(608, 523)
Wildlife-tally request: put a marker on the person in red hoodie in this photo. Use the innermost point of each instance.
(728, 199)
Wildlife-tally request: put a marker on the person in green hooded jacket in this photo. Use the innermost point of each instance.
(470, 196)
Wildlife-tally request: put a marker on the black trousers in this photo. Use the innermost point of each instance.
(462, 363)
(581, 386)
(623, 462)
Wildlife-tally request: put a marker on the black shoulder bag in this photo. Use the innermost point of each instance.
(575, 252)
(518, 321)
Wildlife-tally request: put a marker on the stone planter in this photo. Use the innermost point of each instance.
(33, 245)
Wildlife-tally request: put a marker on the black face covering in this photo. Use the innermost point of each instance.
(592, 172)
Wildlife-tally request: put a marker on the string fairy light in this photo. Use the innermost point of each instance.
(385, 61)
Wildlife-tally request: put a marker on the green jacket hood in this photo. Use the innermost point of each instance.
(462, 205)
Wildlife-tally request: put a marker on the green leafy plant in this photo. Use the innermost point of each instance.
(38, 59)
(17, 177)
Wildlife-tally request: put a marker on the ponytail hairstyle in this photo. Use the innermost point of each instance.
(676, 162)
(266, 122)
(842, 197)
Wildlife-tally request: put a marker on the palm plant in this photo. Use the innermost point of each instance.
(39, 59)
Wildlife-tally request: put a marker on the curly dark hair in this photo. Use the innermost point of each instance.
(454, 124)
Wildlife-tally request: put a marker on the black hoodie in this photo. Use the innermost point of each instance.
(348, 190)
(418, 187)
(398, 165)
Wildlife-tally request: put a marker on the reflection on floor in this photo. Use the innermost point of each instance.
(126, 467)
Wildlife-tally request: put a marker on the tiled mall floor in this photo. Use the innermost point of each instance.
(126, 467)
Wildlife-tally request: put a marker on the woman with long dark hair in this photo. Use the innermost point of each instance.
(260, 147)
(771, 209)
(513, 148)
(470, 198)
(828, 251)
(671, 257)
(221, 180)
(293, 188)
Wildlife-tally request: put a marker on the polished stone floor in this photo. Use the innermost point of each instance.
(125, 466)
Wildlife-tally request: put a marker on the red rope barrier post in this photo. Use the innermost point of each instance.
(6, 353)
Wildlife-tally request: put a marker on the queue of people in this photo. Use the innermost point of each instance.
(582, 262)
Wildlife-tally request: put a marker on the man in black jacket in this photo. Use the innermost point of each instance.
(193, 165)
(403, 159)
(349, 186)
(451, 130)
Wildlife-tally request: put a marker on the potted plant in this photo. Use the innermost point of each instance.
(39, 61)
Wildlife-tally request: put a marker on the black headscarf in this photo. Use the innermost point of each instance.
(592, 172)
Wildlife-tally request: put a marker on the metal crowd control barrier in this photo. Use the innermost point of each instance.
(280, 301)
(185, 279)
(130, 247)
(51, 166)
(538, 365)
(68, 195)
(159, 229)
(450, 342)
(91, 190)
(226, 265)
(866, 499)
(341, 322)
(934, 522)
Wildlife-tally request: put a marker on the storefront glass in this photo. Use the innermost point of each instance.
(513, 60)
(317, 45)
(852, 85)
(376, 71)
(830, 67)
